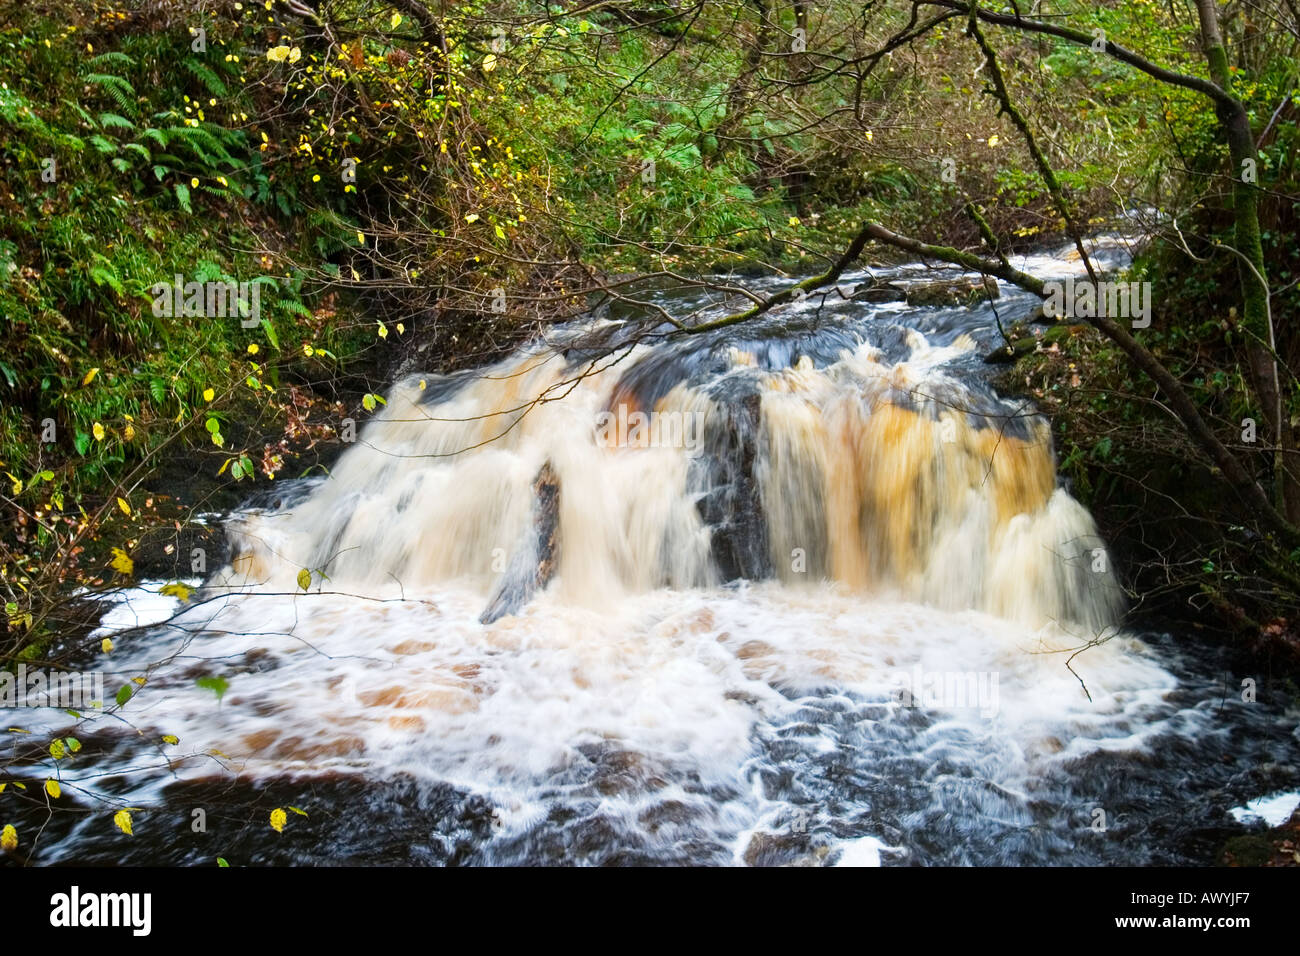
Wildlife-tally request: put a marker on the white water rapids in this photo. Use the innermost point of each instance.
(859, 622)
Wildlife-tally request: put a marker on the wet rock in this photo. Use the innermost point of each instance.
(533, 562)
(876, 291)
(953, 292)
(782, 849)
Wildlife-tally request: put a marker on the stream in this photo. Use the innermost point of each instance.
(804, 590)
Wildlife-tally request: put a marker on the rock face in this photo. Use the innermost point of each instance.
(876, 291)
(534, 559)
(952, 292)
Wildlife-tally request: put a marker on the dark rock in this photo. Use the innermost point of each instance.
(532, 565)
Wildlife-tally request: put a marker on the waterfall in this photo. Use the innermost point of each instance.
(857, 455)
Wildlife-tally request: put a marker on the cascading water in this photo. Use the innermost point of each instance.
(799, 590)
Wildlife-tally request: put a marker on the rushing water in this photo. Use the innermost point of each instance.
(825, 603)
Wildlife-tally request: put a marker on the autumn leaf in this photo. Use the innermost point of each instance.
(98, 431)
(278, 820)
(8, 838)
(126, 508)
(123, 820)
(208, 394)
(122, 562)
(177, 590)
(57, 750)
(489, 63)
(90, 376)
(171, 739)
(304, 579)
(53, 789)
(106, 646)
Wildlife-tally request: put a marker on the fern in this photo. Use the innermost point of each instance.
(112, 56)
(113, 120)
(205, 75)
(119, 89)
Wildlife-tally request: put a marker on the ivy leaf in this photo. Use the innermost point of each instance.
(217, 685)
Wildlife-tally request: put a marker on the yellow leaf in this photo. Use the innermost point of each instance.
(277, 54)
(489, 63)
(252, 348)
(129, 432)
(90, 376)
(8, 838)
(126, 508)
(176, 590)
(361, 238)
(383, 331)
(304, 579)
(278, 820)
(396, 20)
(993, 140)
(53, 789)
(208, 394)
(472, 217)
(401, 329)
(170, 739)
(106, 646)
(18, 484)
(295, 55)
(122, 562)
(98, 431)
(123, 820)
(194, 183)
